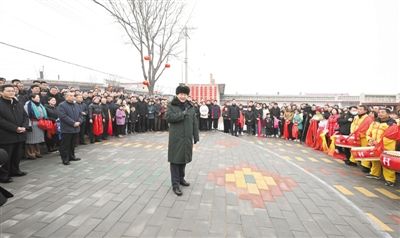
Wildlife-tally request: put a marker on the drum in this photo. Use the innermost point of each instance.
(391, 160)
(364, 153)
(346, 141)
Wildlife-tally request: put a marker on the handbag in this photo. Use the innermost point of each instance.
(45, 124)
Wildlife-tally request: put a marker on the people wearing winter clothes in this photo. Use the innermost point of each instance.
(250, 120)
(151, 116)
(120, 117)
(133, 118)
(203, 117)
(225, 117)
(234, 114)
(13, 124)
(297, 125)
(215, 114)
(70, 119)
(36, 111)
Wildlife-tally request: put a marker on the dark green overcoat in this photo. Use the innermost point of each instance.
(183, 131)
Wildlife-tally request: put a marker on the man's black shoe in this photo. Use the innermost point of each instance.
(177, 191)
(66, 163)
(6, 180)
(184, 183)
(75, 159)
(18, 174)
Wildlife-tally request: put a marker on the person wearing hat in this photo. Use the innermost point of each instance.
(183, 132)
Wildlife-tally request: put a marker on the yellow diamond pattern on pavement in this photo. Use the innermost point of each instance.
(381, 225)
(327, 160)
(270, 181)
(343, 190)
(230, 178)
(299, 158)
(252, 188)
(366, 192)
(388, 193)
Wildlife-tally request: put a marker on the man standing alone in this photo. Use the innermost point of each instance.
(183, 132)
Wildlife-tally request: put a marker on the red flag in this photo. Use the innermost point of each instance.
(286, 130)
(311, 133)
(97, 125)
(295, 131)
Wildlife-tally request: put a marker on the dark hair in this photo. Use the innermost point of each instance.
(15, 80)
(50, 98)
(36, 81)
(3, 79)
(33, 95)
(34, 86)
(6, 86)
(42, 82)
(365, 107)
(352, 107)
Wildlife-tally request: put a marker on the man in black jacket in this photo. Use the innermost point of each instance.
(84, 116)
(234, 114)
(142, 112)
(344, 122)
(70, 118)
(13, 124)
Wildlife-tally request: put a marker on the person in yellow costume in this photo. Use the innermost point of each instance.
(374, 136)
(359, 132)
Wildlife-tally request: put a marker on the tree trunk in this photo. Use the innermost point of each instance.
(151, 88)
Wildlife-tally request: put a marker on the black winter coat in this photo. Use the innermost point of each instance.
(234, 112)
(141, 108)
(345, 124)
(12, 115)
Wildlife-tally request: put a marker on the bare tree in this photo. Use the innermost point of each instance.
(152, 27)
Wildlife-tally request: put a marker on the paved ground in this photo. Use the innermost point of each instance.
(240, 187)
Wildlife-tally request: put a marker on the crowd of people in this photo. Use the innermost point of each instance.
(318, 128)
(63, 119)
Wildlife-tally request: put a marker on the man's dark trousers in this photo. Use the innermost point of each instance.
(67, 147)
(177, 174)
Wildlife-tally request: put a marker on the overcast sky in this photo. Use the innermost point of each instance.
(254, 46)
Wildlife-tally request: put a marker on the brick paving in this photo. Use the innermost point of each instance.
(240, 187)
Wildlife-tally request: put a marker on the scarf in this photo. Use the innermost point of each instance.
(33, 110)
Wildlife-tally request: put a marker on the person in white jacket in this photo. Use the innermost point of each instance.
(203, 116)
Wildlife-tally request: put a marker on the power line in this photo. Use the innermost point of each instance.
(63, 61)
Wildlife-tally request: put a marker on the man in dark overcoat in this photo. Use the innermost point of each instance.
(13, 125)
(183, 132)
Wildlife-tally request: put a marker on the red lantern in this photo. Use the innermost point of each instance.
(146, 83)
(167, 65)
(147, 57)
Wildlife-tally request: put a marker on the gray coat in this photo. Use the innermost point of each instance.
(183, 131)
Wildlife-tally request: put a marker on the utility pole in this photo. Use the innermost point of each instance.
(185, 32)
